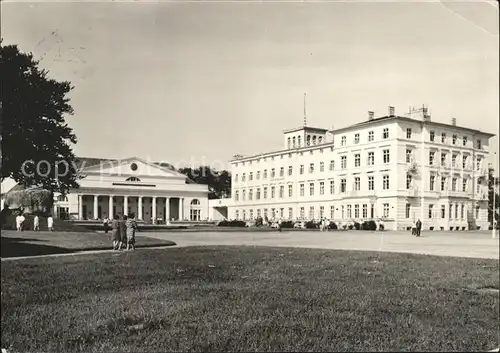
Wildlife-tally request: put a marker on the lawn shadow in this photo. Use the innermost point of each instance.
(14, 247)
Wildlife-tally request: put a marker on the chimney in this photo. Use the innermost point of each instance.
(454, 121)
(370, 115)
(391, 111)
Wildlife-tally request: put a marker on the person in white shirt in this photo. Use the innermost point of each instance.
(50, 223)
(20, 222)
(36, 224)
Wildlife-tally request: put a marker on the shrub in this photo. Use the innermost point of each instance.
(381, 227)
(311, 225)
(369, 225)
(350, 227)
(357, 226)
(287, 224)
(232, 223)
(259, 222)
(332, 226)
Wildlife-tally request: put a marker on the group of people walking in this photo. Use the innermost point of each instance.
(20, 219)
(416, 228)
(123, 231)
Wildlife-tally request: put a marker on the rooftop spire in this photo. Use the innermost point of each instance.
(305, 115)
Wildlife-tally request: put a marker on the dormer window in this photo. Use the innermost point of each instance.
(133, 179)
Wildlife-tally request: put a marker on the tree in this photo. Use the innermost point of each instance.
(219, 183)
(492, 181)
(36, 140)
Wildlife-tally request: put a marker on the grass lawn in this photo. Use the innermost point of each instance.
(249, 299)
(29, 243)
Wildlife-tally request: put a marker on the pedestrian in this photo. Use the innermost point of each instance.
(414, 228)
(20, 222)
(105, 224)
(131, 226)
(36, 223)
(115, 232)
(123, 231)
(50, 223)
(279, 224)
(419, 227)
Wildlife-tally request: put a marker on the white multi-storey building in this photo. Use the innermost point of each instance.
(395, 168)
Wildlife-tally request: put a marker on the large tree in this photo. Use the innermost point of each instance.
(36, 142)
(219, 182)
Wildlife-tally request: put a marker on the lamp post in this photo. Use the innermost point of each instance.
(494, 231)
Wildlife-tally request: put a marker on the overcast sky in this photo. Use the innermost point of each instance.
(205, 80)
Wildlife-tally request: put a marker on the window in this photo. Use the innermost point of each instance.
(311, 189)
(290, 170)
(464, 141)
(477, 211)
(236, 178)
(308, 140)
(478, 188)
(386, 156)
(478, 163)
(408, 210)
(454, 139)
(443, 159)
(432, 136)
(282, 191)
(322, 166)
(250, 176)
(265, 174)
(332, 212)
(464, 185)
(302, 213)
(454, 184)
(332, 165)
(320, 140)
(342, 185)
(349, 211)
(251, 214)
(357, 183)
(431, 182)
(289, 140)
(282, 171)
(370, 136)
(356, 138)
(299, 142)
(257, 194)
(321, 187)
(265, 192)
(357, 160)
(321, 212)
(356, 211)
(343, 162)
(432, 156)
(431, 210)
(454, 160)
(332, 187)
(443, 137)
(236, 195)
(290, 213)
(365, 210)
(311, 212)
(290, 190)
(372, 210)
(386, 210)
(456, 211)
(371, 158)
(258, 175)
(464, 162)
(258, 212)
(294, 142)
(282, 213)
(250, 194)
(343, 141)
(462, 212)
(265, 212)
(243, 177)
(237, 214)
(385, 182)
(385, 133)
(408, 181)
(409, 155)
(301, 186)
(478, 144)
(443, 211)
(301, 171)
(314, 140)
(443, 183)
(311, 168)
(408, 133)
(371, 182)
(273, 192)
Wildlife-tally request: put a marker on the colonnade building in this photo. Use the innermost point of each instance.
(392, 168)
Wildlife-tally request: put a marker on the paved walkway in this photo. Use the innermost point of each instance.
(462, 244)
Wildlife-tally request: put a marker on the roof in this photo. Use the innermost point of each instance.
(307, 128)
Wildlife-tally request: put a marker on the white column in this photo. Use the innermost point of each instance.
(181, 208)
(153, 216)
(139, 208)
(96, 198)
(54, 213)
(3, 204)
(110, 211)
(125, 205)
(80, 207)
(167, 210)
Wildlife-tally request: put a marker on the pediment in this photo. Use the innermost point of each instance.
(130, 168)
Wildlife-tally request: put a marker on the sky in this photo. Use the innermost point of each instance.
(199, 81)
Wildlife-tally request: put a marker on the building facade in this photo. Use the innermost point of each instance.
(154, 192)
(393, 168)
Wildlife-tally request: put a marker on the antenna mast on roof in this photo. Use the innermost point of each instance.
(305, 115)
